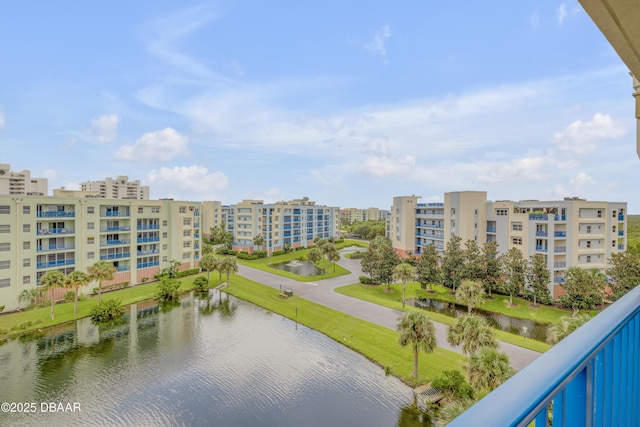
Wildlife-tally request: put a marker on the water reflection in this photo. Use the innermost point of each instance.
(526, 328)
(209, 360)
(301, 268)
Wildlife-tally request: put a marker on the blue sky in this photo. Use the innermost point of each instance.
(349, 103)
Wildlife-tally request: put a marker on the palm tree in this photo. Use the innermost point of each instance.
(227, 240)
(258, 241)
(31, 295)
(472, 332)
(229, 267)
(404, 272)
(51, 280)
(333, 255)
(418, 331)
(101, 270)
(208, 263)
(470, 293)
(556, 332)
(314, 255)
(488, 368)
(74, 281)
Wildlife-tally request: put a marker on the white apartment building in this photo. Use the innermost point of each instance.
(568, 233)
(352, 215)
(21, 183)
(296, 222)
(118, 188)
(140, 237)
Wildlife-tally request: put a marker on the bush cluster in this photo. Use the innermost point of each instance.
(224, 251)
(276, 253)
(107, 310)
(109, 287)
(366, 280)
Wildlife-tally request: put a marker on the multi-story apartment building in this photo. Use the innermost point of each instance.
(21, 183)
(297, 223)
(351, 215)
(140, 237)
(118, 188)
(568, 233)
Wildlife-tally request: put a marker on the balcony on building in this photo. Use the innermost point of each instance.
(559, 234)
(115, 242)
(541, 248)
(47, 231)
(55, 263)
(541, 233)
(117, 255)
(620, 232)
(621, 217)
(560, 249)
(56, 247)
(115, 228)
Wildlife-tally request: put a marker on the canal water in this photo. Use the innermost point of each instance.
(301, 268)
(205, 362)
(523, 327)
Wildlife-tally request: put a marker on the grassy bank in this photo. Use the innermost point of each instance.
(393, 299)
(377, 343)
(18, 323)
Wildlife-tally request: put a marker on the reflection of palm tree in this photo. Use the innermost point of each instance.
(227, 307)
(208, 308)
(413, 416)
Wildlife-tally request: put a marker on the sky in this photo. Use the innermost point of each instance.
(348, 103)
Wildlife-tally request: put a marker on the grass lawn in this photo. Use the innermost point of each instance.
(264, 265)
(377, 343)
(10, 324)
(377, 295)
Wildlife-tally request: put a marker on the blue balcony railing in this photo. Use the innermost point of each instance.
(620, 232)
(560, 264)
(57, 263)
(559, 217)
(115, 228)
(148, 239)
(620, 217)
(560, 249)
(55, 214)
(115, 213)
(541, 248)
(121, 268)
(559, 234)
(538, 217)
(46, 231)
(491, 230)
(558, 280)
(541, 233)
(59, 247)
(147, 264)
(620, 247)
(148, 227)
(115, 242)
(591, 378)
(119, 255)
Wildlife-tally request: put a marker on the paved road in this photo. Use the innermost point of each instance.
(323, 293)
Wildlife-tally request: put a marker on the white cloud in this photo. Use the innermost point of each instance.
(105, 127)
(183, 182)
(561, 13)
(377, 45)
(524, 169)
(535, 19)
(380, 166)
(576, 187)
(272, 195)
(160, 146)
(582, 137)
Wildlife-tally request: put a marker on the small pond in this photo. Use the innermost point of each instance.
(301, 268)
(525, 328)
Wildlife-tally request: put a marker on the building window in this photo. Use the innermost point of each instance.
(164, 247)
(90, 226)
(91, 255)
(186, 255)
(26, 245)
(614, 228)
(164, 259)
(588, 243)
(155, 209)
(516, 226)
(26, 280)
(26, 210)
(164, 235)
(186, 233)
(453, 211)
(502, 212)
(26, 228)
(588, 258)
(476, 211)
(26, 262)
(90, 240)
(5, 283)
(588, 229)
(5, 209)
(599, 214)
(186, 221)
(164, 222)
(5, 228)
(5, 247)
(183, 209)
(140, 209)
(90, 209)
(613, 244)
(4, 265)
(186, 244)
(516, 240)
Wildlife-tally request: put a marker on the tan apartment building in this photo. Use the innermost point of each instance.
(296, 223)
(118, 188)
(570, 232)
(21, 183)
(140, 237)
(352, 215)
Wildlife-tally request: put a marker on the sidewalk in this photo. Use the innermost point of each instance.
(322, 292)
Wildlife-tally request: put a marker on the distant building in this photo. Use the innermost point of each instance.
(352, 215)
(118, 188)
(296, 223)
(569, 233)
(21, 183)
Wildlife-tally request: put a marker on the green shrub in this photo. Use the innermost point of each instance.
(453, 385)
(107, 310)
(300, 248)
(4, 331)
(168, 289)
(25, 325)
(260, 254)
(1, 308)
(70, 296)
(246, 255)
(276, 253)
(189, 272)
(224, 251)
(366, 280)
(357, 255)
(201, 284)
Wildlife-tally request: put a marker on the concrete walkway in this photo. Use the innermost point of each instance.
(322, 292)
